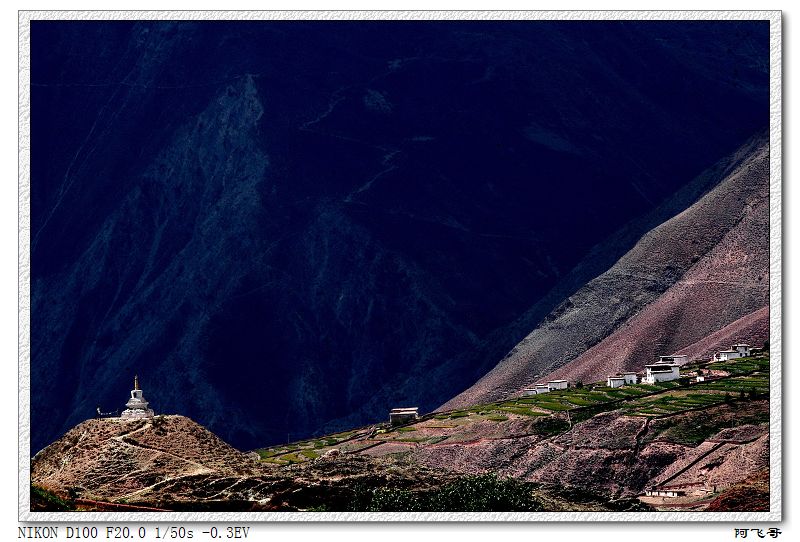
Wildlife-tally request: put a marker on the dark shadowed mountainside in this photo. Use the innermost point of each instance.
(289, 227)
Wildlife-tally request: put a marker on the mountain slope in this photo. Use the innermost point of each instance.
(109, 457)
(729, 284)
(712, 256)
(291, 226)
(753, 327)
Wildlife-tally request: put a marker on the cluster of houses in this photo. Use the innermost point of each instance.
(736, 351)
(546, 387)
(665, 369)
(668, 367)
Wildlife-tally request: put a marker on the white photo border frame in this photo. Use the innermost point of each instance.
(775, 294)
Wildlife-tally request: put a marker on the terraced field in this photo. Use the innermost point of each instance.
(736, 380)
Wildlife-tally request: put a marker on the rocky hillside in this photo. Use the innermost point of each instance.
(696, 273)
(593, 448)
(753, 326)
(110, 457)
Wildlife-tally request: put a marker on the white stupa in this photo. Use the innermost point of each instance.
(137, 404)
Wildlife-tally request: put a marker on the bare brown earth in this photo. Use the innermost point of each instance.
(752, 493)
(611, 453)
(753, 326)
(171, 462)
(694, 274)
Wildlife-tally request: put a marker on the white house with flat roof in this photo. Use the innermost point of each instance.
(741, 350)
(558, 384)
(399, 416)
(726, 355)
(527, 392)
(542, 388)
(680, 359)
(615, 381)
(630, 378)
(664, 492)
(661, 372)
(744, 349)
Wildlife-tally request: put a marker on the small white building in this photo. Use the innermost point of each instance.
(744, 349)
(558, 384)
(727, 355)
(399, 416)
(542, 388)
(680, 359)
(615, 381)
(661, 372)
(630, 378)
(741, 350)
(527, 392)
(664, 493)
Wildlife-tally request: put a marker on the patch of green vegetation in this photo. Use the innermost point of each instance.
(672, 407)
(442, 417)
(589, 412)
(644, 387)
(648, 411)
(311, 454)
(520, 410)
(497, 418)
(550, 426)
(740, 366)
(595, 397)
(266, 453)
(668, 384)
(736, 384)
(293, 458)
(549, 405)
(532, 400)
(484, 493)
(630, 391)
(459, 414)
(406, 429)
(692, 432)
(42, 499)
(618, 394)
(580, 401)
